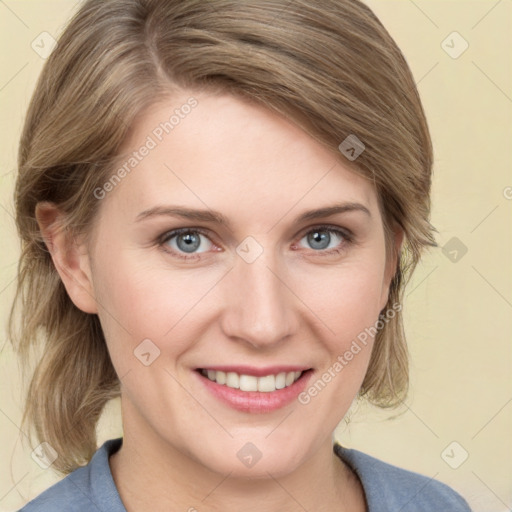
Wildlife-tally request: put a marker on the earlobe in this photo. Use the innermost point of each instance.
(70, 257)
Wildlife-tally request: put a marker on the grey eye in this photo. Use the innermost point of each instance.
(321, 239)
(188, 242)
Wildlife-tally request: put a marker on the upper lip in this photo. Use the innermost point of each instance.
(255, 371)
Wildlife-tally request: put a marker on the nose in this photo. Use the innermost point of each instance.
(261, 310)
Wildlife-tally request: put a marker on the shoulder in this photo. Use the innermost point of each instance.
(87, 488)
(389, 487)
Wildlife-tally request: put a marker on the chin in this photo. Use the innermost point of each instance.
(254, 459)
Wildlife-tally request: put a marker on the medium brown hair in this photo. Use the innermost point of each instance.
(327, 65)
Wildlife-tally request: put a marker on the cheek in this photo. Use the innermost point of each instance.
(140, 299)
(347, 298)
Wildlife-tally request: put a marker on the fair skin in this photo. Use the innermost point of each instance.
(295, 304)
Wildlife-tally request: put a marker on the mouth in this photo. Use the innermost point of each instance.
(246, 382)
(254, 390)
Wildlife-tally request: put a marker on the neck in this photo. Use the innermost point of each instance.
(150, 476)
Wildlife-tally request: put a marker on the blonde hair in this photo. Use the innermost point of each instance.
(330, 67)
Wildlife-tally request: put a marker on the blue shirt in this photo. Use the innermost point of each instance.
(387, 488)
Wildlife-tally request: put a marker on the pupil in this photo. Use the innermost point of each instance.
(320, 239)
(188, 242)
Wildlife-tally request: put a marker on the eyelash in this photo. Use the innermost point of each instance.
(346, 235)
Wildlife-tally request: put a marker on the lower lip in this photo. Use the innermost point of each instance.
(256, 401)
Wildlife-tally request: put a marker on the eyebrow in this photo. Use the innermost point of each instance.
(213, 216)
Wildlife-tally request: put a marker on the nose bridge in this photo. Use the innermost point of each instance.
(260, 306)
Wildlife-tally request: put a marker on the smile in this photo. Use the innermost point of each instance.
(254, 390)
(265, 384)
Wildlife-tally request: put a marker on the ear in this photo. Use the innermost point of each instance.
(391, 265)
(69, 256)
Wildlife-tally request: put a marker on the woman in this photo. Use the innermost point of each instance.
(220, 203)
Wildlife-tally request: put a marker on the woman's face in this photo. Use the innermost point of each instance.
(270, 291)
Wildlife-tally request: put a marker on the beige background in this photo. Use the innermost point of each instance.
(458, 313)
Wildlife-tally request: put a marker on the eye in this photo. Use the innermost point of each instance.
(326, 240)
(185, 242)
(189, 243)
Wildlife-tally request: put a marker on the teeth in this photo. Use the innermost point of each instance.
(265, 384)
(232, 379)
(248, 383)
(220, 377)
(280, 380)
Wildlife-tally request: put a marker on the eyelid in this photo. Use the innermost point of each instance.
(172, 233)
(178, 231)
(346, 233)
(348, 239)
(207, 233)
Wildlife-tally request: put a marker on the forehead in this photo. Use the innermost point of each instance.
(220, 152)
